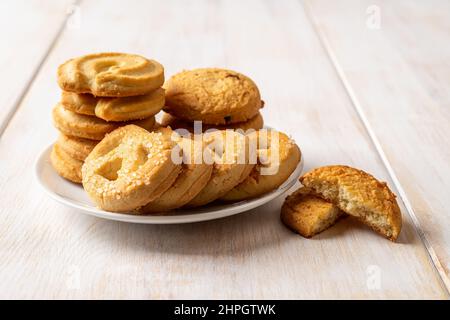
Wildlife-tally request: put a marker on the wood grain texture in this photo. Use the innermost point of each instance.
(29, 29)
(398, 76)
(50, 251)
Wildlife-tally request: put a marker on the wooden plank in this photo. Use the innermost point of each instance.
(29, 29)
(50, 251)
(398, 77)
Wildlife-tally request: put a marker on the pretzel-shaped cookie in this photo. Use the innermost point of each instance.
(307, 214)
(278, 156)
(194, 176)
(231, 165)
(111, 75)
(129, 168)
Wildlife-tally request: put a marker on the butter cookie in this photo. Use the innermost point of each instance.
(214, 96)
(129, 168)
(111, 75)
(81, 103)
(308, 214)
(115, 109)
(358, 194)
(195, 174)
(130, 108)
(277, 157)
(66, 166)
(88, 127)
(231, 165)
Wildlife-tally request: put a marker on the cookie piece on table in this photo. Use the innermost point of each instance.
(358, 194)
(308, 214)
(130, 108)
(214, 96)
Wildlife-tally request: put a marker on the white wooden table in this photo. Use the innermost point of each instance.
(362, 83)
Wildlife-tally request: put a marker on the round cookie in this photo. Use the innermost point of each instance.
(214, 96)
(175, 123)
(129, 168)
(115, 109)
(77, 148)
(88, 127)
(66, 166)
(231, 165)
(308, 214)
(194, 176)
(358, 194)
(278, 156)
(111, 75)
(130, 108)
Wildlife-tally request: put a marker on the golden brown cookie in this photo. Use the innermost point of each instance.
(175, 123)
(111, 75)
(358, 194)
(277, 158)
(66, 166)
(130, 108)
(115, 109)
(308, 214)
(194, 176)
(129, 168)
(88, 127)
(77, 148)
(231, 165)
(214, 96)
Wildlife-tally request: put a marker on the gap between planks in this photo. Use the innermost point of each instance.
(376, 143)
(24, 91)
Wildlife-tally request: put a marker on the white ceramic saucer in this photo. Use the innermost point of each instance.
(73, 195)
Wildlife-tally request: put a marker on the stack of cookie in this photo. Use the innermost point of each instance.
(102, 92)
(219, 98)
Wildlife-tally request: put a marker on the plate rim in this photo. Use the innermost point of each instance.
(229, 210)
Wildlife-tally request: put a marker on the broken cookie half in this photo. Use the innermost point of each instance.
(308, 214)
(335, 190)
